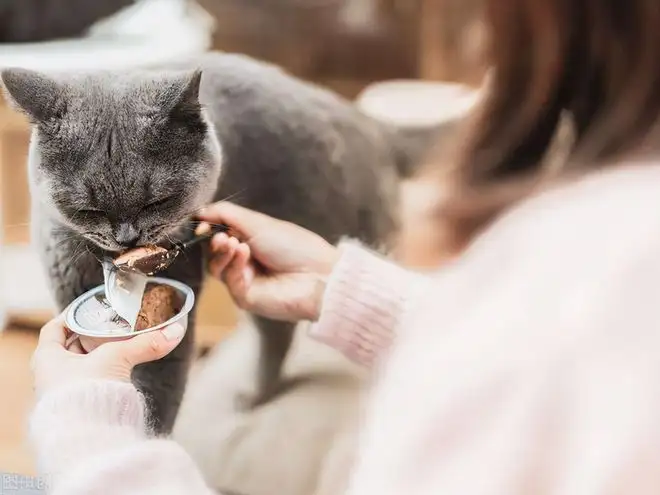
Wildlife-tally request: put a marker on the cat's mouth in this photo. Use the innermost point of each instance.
(165, 237)
(103, 242)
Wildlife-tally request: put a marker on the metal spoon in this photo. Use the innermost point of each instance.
(150, 260)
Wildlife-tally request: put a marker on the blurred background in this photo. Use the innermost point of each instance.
(414, 62)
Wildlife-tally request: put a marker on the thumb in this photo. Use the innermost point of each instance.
(53, 333)
(243, 220)
(147, 347)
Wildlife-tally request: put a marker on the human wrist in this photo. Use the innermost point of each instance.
(84, 419)
(319, 282)
(313, 310)
(329, 260)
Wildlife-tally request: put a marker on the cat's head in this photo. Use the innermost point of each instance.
(122, 159)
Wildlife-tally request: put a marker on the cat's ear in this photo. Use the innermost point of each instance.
(33, 93)
(184, 105)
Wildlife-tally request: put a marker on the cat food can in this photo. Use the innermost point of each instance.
(95, 322)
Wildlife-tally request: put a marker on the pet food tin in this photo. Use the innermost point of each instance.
(94, 321)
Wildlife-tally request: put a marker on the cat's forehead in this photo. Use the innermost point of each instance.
(113, 93)
(122, 123)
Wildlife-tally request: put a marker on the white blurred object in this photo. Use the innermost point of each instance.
(23, 286)
(148, 33)
(413, 103)
(418, 104)
(360, 15)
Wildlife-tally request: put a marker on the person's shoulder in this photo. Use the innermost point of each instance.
(615, 209)
(628, 194)
(626, 187)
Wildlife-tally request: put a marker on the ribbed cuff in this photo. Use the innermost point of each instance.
(365, 298)
(74, 422)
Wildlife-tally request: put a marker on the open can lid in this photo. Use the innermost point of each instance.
(92, 316)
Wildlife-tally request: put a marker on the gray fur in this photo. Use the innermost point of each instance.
(105, 146)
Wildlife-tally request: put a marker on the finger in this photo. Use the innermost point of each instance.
(76, 347)
(52, 337)
(219, 243)
(242, 256)
(217, 266)
(145, 347)
(202, 228)
(219, 263)
(232, 247)
(235, 278)
(219, 248)
(248, 276)
(53, 333)
(246, 222)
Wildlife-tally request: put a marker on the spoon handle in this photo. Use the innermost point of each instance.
(215, 229)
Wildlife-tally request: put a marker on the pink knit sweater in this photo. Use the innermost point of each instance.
(529, 366)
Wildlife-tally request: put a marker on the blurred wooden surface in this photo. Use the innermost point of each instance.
(16, 348)
(451, 41)
(14, 140)
(315, 40)
(430, 39)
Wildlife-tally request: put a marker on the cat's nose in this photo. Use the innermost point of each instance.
(127, 235)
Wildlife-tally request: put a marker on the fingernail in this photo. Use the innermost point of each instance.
(218, 242)
(174, 332)
(202, 228)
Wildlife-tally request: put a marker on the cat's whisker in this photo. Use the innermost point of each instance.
(79, 251)
(234, 195)
(169, 238)
(93, 254)
(69, 238)
(76, 213)
(226, 198)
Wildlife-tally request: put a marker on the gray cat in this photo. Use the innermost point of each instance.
(119, 160)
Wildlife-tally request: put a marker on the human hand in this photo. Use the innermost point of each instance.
(54, 365)
(277, 270)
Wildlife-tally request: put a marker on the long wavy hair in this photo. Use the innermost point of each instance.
(592, 63)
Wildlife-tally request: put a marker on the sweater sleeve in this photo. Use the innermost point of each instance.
(92, 437)
(365, 298)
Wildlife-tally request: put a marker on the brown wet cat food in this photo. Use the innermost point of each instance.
(146, 259)
(159, 304)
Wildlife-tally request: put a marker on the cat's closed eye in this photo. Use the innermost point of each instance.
(90, 213)
(160, 202)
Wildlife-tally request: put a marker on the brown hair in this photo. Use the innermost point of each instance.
(595, 61)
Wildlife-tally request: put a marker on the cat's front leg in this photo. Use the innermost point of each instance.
(275, 340)
(70, 261)
(163, 382)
